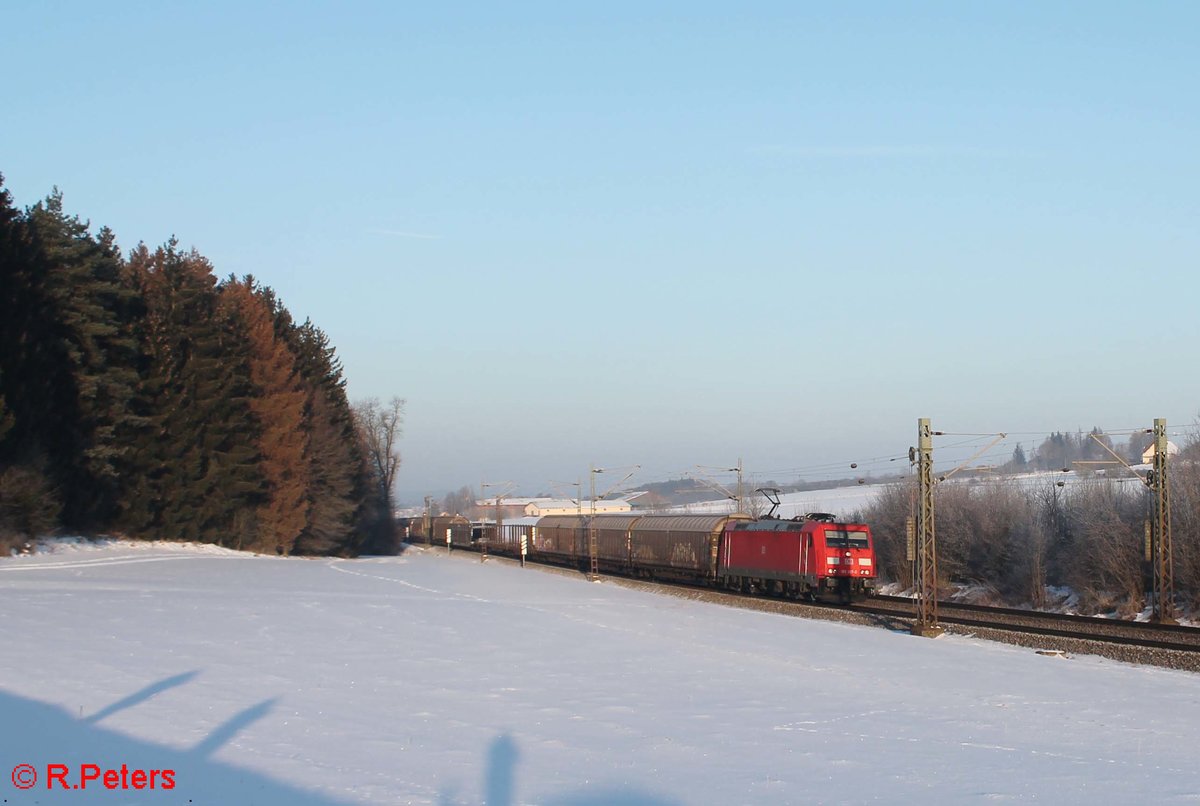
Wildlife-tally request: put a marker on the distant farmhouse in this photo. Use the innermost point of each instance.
(538, 507)
(509, 507)
(1148, 454)
(568, 506)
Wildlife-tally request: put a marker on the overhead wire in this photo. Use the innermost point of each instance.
(947, 456)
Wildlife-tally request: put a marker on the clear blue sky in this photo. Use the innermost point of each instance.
(660, 233)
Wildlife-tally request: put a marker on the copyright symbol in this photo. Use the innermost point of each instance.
(24, 776)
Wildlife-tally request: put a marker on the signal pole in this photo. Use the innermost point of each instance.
(926, 571)
(1163, 561)
(738, 496)
(593, 532)
(427, 525)
(504, 489)
(1158, 531)
(483, 539)
(741, 488)
(593, 553)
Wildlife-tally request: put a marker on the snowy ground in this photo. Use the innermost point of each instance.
(437, 680)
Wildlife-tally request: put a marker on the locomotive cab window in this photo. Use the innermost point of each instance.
(846, 539)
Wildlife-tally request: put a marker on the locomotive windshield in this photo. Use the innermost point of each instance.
(847, 539)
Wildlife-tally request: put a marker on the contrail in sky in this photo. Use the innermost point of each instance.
(404, 234)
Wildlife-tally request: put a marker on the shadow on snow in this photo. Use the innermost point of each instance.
(40, 734)
(500, 781)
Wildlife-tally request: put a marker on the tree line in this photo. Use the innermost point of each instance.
(1066, 450)
(141, 396)
(1023, 538)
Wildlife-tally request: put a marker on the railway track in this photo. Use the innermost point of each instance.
(1055, 625)
(1168, 646)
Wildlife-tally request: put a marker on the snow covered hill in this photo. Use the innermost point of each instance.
(841, 501)
(845, 502)
(429, 679)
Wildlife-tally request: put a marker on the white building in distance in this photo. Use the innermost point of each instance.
(568, 506)
(1148, 454)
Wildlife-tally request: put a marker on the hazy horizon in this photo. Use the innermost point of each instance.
(669, 235)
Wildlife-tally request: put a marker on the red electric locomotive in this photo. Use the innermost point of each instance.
(813, 556)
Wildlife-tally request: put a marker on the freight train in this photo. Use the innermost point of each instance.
(812, 557)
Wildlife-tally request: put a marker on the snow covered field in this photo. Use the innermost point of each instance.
(845, 502)
(437, 680)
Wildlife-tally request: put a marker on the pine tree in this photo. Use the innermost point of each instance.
(1019, 460)
(29, 377)
(201, 479)
(29, 348)
(86, 422)
(7, 421)
(337, 474)
(10, 268)
(279, 402)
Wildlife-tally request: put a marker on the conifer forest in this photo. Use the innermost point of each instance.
(142, 396)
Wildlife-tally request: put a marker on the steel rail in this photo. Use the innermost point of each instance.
(1035, 622)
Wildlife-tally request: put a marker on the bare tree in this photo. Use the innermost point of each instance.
(754, 505)
(1138, 442)
(1106, 523)
(380, 428)
(1185, 516)
(887, 514)
(460, 502)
